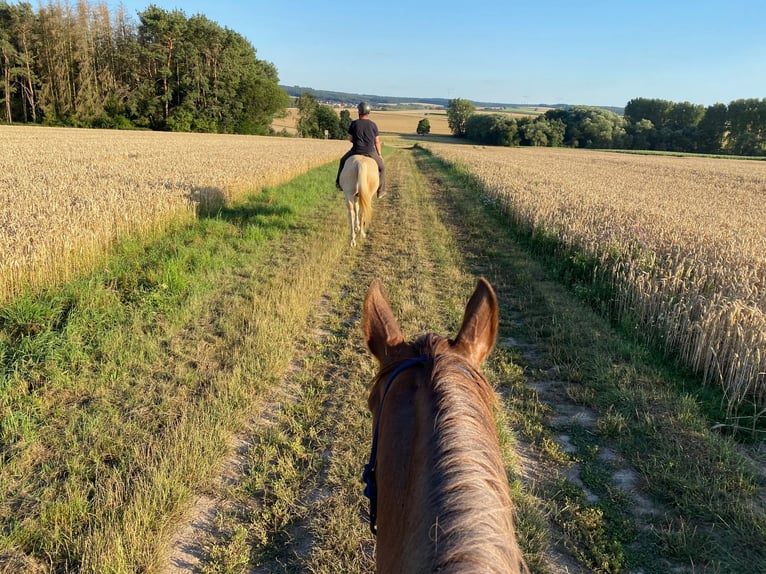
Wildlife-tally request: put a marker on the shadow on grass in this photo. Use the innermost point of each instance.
(434, 138)
(260, 209)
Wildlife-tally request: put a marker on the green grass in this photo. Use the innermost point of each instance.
(685, 154)
(120, 391)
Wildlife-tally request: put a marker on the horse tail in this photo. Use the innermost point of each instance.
(364, 193)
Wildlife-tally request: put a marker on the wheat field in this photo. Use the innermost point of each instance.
(400, 122)
(66, 194)
(388, 121)
(681, 239)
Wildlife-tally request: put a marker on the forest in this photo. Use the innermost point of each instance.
(83, 65)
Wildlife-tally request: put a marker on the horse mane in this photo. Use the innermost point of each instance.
(473, 526)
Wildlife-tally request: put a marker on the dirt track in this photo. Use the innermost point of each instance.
(431, 240)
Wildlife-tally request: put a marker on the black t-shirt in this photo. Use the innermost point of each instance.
(363, 133)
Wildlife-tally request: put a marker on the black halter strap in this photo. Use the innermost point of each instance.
(368, 476)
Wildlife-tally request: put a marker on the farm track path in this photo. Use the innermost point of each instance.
(327, 384)
(334, 323)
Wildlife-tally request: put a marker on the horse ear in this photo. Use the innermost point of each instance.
(380, 327)
(478, 333)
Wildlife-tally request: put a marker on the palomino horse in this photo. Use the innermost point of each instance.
(359, 180)
(436, 480)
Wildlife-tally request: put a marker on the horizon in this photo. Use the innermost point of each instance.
(425, 99)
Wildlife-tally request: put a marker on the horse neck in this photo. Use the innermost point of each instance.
(444, 501)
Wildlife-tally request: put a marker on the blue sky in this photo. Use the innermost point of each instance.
(587, 52)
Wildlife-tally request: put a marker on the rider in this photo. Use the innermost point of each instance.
(363, 134)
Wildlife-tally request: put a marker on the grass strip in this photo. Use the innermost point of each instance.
(120, 391)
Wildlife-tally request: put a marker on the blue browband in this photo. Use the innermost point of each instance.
(368, 476)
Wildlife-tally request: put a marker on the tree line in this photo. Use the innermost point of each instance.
(82, 65)
(317, 120)
(647, 124)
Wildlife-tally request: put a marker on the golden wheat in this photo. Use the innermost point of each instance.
(403, 122)
(66, 194)
(389, 121)
(682, 239)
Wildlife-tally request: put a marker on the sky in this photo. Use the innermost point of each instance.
(600, 53)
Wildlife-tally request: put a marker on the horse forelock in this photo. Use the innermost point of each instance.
(470, 519)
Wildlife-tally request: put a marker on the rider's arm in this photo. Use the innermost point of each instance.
(377, 145)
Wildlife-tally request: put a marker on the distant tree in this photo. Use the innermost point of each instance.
(594, 127)
(315, 119)
(555, 130)
(562, 124)
(307, 116)
(559, 126)
(679, 133)
(493, 129)
(505, 131)
(26, 33)
(345, 122)
(747, 127)
(548, 129)
(56, 94)
(712, 129)
(458, 112)
(8, 58)
(18, 84)
(328, 121)
(535, 134)
(478, 128)
(424, 127)
(161, 34)
(641, 134)
(524, 131)
(654, 110)
(259, 95)
(683, 115)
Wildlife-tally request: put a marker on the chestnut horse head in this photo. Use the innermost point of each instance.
(436, 479)
(359, 180)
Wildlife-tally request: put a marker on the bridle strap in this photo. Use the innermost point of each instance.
(368, 476)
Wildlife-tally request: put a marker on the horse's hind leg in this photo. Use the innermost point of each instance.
(351, 222)
(357, 219)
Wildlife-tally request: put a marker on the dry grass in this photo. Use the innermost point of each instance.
(681, 239)
(65, 194)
